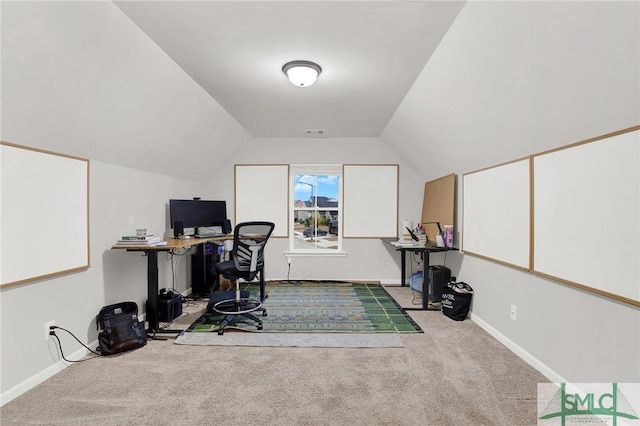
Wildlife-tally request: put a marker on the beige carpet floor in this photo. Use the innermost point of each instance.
(453, 374)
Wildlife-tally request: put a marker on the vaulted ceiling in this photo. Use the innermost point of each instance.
(370, 52)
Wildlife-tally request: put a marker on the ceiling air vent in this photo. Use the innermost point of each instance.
(315, 132)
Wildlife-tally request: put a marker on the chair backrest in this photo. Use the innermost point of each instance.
(249, 239)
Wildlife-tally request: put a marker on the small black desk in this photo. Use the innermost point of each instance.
(152, 271)
(424, 251)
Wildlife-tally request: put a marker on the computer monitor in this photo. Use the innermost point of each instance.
(198, 213)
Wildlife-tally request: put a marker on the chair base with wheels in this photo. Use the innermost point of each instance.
(233, 304)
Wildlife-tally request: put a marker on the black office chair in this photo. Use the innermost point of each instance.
(247, 262)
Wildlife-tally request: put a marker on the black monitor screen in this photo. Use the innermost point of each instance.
(198, 213)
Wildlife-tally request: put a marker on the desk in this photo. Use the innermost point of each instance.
(424, 251)
(152, 270)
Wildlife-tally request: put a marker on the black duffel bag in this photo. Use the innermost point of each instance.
(456, 300)
(119, 328)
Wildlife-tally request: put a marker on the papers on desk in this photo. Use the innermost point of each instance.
(407, 243)
(147, 240)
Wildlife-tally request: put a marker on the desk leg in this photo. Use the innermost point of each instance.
(403, 274)
(425, 280)
(152, 289)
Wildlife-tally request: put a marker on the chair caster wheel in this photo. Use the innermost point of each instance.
(264, 314)
(260, 327)
(220, 332)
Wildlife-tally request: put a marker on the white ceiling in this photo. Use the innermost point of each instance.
(371, 52)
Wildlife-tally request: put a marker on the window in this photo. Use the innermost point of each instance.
(345, 201)
(316, 209)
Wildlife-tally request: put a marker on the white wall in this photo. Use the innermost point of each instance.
(79, 78)
(368, 259)
(121, 200)
(508, 80)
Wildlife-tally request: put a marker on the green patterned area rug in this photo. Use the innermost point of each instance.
(321, 307)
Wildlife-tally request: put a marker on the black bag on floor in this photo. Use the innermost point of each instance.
(119, 328)
(456, 300)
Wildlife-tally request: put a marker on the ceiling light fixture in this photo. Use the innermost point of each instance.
(302, 73)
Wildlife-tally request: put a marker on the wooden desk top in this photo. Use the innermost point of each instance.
(172, 243)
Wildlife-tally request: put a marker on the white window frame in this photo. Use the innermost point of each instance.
(314, 169)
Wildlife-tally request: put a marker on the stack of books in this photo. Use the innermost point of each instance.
(407, 243)
(140, 240)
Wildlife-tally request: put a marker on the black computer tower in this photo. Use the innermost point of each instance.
(169, 306)
(203, 277)
(438, 277)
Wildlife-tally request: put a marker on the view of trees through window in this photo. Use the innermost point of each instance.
(316, 212)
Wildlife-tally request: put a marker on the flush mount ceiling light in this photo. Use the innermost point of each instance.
(302, 73)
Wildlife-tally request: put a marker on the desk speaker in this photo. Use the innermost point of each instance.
(178, 228)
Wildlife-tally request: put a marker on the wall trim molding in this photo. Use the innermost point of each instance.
(44, 375)
(534, 362)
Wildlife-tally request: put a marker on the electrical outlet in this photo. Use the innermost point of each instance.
(514, 312)
(288, 260)
(47, 329)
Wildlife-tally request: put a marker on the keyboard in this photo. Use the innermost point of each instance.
(211, 235)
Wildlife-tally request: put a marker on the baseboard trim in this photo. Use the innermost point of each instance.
(518, 350)
(43, 375)
(389, 282)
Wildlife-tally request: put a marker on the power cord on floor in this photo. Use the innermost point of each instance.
(417, 298)
(52, 332)
(418, 259)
